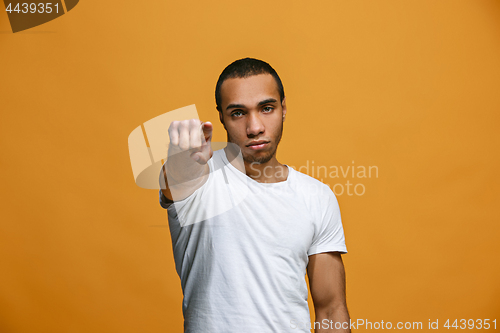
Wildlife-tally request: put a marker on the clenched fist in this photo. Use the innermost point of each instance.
(193, 136)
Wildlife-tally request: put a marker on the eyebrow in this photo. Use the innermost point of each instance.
(266, 101)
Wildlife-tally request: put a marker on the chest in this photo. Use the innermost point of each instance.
(270, 224)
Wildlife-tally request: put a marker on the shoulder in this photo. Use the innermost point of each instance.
(317, 195)
(309, 185)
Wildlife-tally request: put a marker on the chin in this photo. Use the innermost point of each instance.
(260, 158)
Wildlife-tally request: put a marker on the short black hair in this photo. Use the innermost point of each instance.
(243, 68)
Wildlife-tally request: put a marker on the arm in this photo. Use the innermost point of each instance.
(327, 283)
(186, 168)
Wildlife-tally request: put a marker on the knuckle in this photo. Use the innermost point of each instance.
(173, 126)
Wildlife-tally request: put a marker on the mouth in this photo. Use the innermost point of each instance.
(257, 145)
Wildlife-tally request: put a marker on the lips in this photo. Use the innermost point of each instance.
(256, 145)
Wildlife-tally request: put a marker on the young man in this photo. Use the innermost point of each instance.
(246, 228)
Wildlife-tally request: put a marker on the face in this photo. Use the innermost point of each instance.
(253, 116)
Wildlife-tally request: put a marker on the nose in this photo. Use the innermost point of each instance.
(255, 126)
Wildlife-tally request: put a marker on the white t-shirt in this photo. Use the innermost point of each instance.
(241, 249)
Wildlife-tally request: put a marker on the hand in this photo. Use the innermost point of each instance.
(193, 136)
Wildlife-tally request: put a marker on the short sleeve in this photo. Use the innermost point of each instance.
(329, 232)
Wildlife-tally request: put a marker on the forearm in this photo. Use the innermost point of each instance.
(332, 319)
(181, 176)
(181, 169)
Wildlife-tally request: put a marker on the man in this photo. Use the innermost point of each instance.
(246, 228)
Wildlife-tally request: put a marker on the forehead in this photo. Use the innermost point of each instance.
(250, 90)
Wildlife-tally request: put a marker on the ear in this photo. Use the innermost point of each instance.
(283, 107)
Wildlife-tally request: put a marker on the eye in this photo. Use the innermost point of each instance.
(268, 109)
(236, 114)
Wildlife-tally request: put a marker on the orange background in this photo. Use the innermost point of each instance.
(408, 86)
